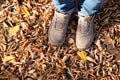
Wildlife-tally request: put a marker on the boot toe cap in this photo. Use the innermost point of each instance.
(84, 42)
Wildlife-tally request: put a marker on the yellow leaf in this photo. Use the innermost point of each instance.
(8, 58)
(14, 30)
(81, 55)
(24, 11)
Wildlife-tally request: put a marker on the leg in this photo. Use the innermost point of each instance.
(57, 30)
(89, 7)
(64, 5)
(84, 33)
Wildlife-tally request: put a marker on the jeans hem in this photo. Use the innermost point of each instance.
(68, 12)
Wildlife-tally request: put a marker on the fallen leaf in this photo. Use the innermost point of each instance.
(71, 40)
(118, 61)
(8, 58)
(2, 46)
(3, 77)
(12, 77)
(106, 21)
(91, 59)
(24, 25)
(118, 40)
(15, 63)
(98, 43)
(24, 11)
(13, 31)
(81, 55)
(108, 40)
(65, 58)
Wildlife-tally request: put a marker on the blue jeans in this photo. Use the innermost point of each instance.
(85, 7)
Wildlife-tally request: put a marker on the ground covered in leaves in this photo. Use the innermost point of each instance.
(25, 53)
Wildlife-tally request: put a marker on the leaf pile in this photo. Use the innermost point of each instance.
(25, 53)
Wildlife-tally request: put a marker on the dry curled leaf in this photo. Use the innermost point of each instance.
(8, 58)
(24, 25)
(91, 59)
(81, 55)
(108, 40)
(65, 58)
(2, 46)
(12, 77)
(37, 60)
(71, 40)
(98, 43)
(13, 31)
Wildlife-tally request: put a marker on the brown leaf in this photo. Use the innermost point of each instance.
(91, 59)
(71, 40)
(2, 46)
(98, 43)
(65, 58)
(108, 40)
(24, 25)
(3, 77)
(12, 77)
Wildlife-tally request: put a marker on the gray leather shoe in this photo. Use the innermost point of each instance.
(57, 30)
(84, 33)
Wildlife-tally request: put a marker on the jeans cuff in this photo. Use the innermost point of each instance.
(81, 14)
(68, 12)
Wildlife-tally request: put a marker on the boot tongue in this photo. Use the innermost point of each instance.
(84, 29)
(84, 25)
(61, 20)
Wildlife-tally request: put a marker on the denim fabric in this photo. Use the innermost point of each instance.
(85, 7)
(64, 5)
